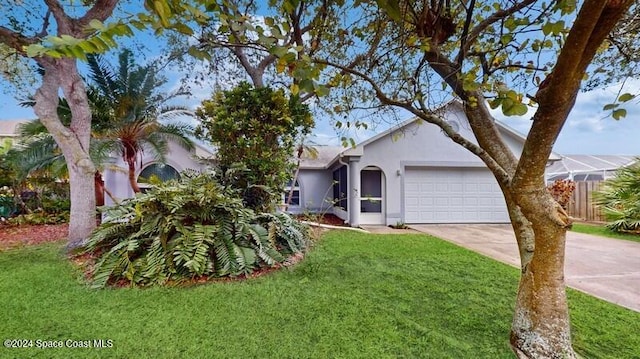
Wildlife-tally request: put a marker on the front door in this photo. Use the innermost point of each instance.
(372, 196)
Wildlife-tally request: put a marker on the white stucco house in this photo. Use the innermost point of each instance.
(411, 173)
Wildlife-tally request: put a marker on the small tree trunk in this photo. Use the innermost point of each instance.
(82, 219)
(523, 231)
(99, 189)
(132, 176)
(99, 184)
(293, 185)
(541, 326)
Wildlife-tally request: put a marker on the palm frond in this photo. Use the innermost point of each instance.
(103, 76)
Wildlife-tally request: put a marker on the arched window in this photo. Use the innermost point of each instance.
(295, 198)
(156, 172)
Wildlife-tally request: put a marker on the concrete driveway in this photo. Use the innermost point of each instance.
(603, 267)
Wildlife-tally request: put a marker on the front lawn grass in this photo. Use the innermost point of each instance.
(355, 296)
(603, 231)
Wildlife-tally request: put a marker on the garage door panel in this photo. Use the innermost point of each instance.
(453, 195)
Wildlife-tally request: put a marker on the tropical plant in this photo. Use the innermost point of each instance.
(257, 128)
(130, 108)
(38, 152)
(185, 229)
(620, 199)
(38, 190)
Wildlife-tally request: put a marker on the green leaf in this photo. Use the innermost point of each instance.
(97, 24)
(35, 50)
(626, 97)
(610, 106)
(199, 54)
(619, 113)
(279, 51)
(495, 103)
(295, 89)
(518, 109)
(391, 7)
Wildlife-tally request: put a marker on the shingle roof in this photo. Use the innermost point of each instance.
(325, 155)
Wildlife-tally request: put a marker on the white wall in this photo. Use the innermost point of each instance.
(316, 191)
(420, 144)
(117, 181)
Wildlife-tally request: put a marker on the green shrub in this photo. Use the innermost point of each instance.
(185, 229)
(257, 128)
(39, 217)
(620, 199)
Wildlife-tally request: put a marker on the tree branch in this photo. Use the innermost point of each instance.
(498, 171)
(493, 18)
(101, 11)
(465, 33)
(557, 93)
(15, 40)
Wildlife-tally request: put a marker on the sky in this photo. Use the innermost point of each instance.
(589, 130)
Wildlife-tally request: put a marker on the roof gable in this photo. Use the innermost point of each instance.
(454, 107)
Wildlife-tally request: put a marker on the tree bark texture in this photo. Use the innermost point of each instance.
(541, 327)
(62, 73)
(73, 141)
(131, 163)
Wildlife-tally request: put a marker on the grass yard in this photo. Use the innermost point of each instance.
(355, 296)
(603, 231)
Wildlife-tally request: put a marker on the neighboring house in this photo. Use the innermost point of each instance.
(588, 167)
(411, 173)
(9, 130)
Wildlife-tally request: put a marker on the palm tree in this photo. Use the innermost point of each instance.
(38, 152)
(125, 109)
(131, 110)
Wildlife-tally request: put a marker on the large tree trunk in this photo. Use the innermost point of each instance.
(72, 140)
(541, 326)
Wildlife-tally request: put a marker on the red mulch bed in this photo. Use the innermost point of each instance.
(330, 219)
(17, 235)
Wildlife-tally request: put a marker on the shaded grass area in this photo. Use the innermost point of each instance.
(604, 232)
(355, 296)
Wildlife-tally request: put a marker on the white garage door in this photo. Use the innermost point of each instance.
(453, 195)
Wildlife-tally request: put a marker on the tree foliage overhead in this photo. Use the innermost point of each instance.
(258, 129)
(619, 59)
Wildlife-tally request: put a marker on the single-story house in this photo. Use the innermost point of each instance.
(411, 173)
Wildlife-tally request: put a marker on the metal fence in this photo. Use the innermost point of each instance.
(581, 206)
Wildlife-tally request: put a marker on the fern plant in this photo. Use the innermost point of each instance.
(185, 229)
